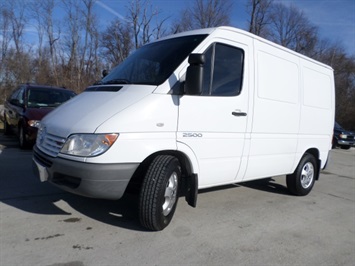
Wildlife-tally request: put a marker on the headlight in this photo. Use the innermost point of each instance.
(88, 145)
(34, 123)
(343, 136)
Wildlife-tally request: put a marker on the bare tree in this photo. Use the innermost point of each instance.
(18, 22)
(344, 74)
(51, 36)
(14, 61)
(141, 15)
(36, 12)
(88, 61)
(259, 11)
(6, 37)
(160, 30)
(72, 41)
(40, 12)
(117, 42)
(290, 28)
(204, 14)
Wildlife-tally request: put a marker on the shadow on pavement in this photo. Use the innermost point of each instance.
(19, 188)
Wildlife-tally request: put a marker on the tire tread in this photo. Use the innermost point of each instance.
(150, 192)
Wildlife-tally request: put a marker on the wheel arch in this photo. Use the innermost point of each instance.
(315, 153)
(189, 180)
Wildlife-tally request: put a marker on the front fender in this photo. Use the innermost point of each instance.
(185, 149)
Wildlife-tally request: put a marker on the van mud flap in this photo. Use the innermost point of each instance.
(191, 189)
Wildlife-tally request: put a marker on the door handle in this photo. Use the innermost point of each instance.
(239, 114)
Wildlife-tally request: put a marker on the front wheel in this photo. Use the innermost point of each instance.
(24, 144)
(159, 192)
(301, 182)
(346, 147)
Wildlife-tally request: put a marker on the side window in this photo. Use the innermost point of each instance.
(20, 96)
(223, 71)
(14, 95)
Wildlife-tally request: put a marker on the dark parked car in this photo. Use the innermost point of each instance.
(27, 105)
(343, 138)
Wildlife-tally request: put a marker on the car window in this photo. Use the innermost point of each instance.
(14, 95)
(38, 97)
(153, 63)
(20, 96)
(223, 71)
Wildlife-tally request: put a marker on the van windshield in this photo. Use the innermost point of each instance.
(152, 64)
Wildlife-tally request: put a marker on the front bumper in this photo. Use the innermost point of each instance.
(342, 142)
(104, 181)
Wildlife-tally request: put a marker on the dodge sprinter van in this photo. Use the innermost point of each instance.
(194, 110)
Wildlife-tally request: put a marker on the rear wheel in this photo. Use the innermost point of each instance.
(159, 193)
(301, 182)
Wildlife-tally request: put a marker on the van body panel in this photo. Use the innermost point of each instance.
(208, 126)
(154, 113)
(135, 147)
(283, 127)
(269, 152)
(89, 110)
(190, 155)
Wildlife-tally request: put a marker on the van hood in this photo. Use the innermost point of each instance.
(88, 110)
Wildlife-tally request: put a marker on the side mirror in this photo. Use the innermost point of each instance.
(15, 102)
(104, 73)
(194, 74)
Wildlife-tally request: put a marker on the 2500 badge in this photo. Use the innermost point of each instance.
(192, 135)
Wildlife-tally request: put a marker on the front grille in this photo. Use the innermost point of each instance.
(45, 162)
(48, 143)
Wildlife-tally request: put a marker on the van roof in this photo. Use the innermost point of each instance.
(209, 31)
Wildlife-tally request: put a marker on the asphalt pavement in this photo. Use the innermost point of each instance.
(255, 223)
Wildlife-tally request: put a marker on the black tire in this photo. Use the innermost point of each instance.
(160, 192)
(301, 182)
(346, 147)
(22, 139)
(334, 143)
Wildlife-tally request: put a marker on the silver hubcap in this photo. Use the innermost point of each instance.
(170, 194)
(307, 175)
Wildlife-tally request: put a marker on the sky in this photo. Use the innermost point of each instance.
(335, 19)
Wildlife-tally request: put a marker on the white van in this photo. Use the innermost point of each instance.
(194, 110)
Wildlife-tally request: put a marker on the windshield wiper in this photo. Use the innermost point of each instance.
(98, 82)
(117, 81)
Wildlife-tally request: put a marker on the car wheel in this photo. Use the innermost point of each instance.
(334, 143)
(159, 193)
(301, 182)
(345, 147)
(22, 139)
